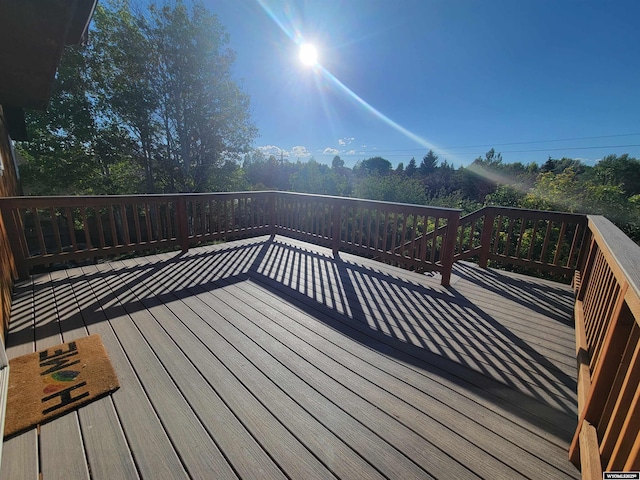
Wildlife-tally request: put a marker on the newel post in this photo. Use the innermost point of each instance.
(485, 238)
(335, 227)
(449, 248)
(183, 223)
(15, 232)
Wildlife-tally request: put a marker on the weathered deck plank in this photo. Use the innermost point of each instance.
(270, 359)
(145, 437)
(20, 453)
(456, 411)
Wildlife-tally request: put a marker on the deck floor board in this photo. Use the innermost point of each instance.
(268, 358)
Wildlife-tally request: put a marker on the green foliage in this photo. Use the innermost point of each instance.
(429, 163)
(506, 196)
(411, 169)
(337, 163)
(373, 166)
(149, 106)
(391, 188)
(622, 171)
(314, 177)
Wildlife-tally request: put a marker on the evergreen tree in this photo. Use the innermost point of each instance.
(411, 168)
(429, 163)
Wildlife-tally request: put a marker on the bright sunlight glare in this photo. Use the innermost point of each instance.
(308, 54)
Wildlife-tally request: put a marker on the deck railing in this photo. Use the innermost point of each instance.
(607, 314)
(49, 230)
(410, 236)
(534, 239)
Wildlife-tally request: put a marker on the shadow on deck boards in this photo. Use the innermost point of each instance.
(439, 331)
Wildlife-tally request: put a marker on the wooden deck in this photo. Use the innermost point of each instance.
(269, 359)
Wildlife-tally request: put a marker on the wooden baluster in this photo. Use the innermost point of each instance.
(485, 239)
(509, 233)
(533, 239)
(39, 234)
(563, 229)
(71, 228)
(136, 221)
(496, 242)
(56, 230)
(182, 227)
(434, 241)
(147, 219)
(115, 241)
(545, 242)
(98, 212)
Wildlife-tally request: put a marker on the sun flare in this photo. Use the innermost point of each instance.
(308, 54)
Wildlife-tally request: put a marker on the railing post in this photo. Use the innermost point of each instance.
(335, 227)
(12, 222)
(183, 223)
(272, 214)
(485, 238)
(449, 247)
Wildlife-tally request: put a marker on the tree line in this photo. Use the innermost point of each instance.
(150, 106)
(611, 187)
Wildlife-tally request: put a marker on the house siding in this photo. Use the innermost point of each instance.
(9, 186)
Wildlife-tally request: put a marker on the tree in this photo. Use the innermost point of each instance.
(411, 168)
(623, 171)
(67, 153)
(429, 163)
(154, 91)
(391, 188)
(559, 166)
(314, 177)
(337, 163)
(205, 115)
(374, 166)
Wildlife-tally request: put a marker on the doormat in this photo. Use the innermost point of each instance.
(46, 384)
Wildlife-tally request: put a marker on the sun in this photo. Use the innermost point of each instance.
(308, 54)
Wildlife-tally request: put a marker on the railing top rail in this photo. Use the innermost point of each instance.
(551, 214)
(620, 248)
(63, 200)
(75, 199)
(375, 202)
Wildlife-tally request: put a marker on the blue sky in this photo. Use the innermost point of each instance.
(533, 78)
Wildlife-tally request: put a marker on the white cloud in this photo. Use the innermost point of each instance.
(341, 142)
(300, 152)
(269, 150)
(345, 141)
(351, 152)
(331, 151)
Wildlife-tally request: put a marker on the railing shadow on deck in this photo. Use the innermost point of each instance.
(546, 299)
(428, 327)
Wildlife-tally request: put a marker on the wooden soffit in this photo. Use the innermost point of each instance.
(32, 36)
